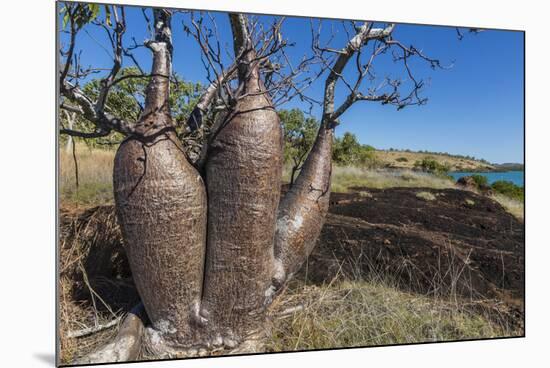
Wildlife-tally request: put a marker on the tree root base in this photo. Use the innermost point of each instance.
(157, 348)
(125, 346)
(136, 341)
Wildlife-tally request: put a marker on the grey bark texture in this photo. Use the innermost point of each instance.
(161, 207)
(243, 173)
(303, 209)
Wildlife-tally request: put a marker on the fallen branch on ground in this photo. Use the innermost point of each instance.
(91, 330)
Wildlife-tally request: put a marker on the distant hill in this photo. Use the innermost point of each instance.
(406, 159)
(509, 166)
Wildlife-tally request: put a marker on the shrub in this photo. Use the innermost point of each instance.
(299, 135)
(401, 159)
(481, 180)
(509, 189)
(431, 166)
(348, 151)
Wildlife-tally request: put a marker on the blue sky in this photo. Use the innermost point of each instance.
(474, 108)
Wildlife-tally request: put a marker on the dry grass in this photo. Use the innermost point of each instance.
(95, 174)
(381, 308)
(344, 178)
(511, 205)
(427, 196)
(95, 284)
(367, 313)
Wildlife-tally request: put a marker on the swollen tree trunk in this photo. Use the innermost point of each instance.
(303, 209)
(161, 207)
(243, 172)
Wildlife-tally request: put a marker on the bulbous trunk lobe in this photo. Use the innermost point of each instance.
(161, 207)
(303, 209)
(243, 172)
(161, 202)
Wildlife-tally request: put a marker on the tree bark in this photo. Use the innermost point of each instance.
(71, 116)
(303, 209)
(243, 172)
(161, 207)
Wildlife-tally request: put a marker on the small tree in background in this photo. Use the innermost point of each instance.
(299, 134)
(127, 97)
(348, 151)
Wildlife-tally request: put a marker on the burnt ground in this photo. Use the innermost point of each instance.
(453, 242)
(450, 243)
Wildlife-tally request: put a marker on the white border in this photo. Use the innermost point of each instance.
(27, 178)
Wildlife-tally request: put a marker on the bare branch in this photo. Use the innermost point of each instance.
(73, 31)
(91, 330)
(156, 112)
(71, 108)
(241, 36)
(364, 33)
(116, 41)
(75, 133)
(460, 35)
(93, 111)
(103, 120)
(195, 119)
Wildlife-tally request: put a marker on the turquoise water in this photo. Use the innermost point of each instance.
(515, 177)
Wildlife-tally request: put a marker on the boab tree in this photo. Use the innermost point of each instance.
(209, 241)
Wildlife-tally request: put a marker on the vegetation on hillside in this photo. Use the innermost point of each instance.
(405, 159)
(502, 187)
(349, 152)
(430, 165)
(300, 132)
(457, 156)
(509, 189)
(509, 167)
